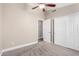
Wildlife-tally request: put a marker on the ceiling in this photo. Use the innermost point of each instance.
(59, 5)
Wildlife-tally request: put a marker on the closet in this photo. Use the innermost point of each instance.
(67, 30)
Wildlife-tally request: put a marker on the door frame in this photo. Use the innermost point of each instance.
(39, 30)
(52, 30)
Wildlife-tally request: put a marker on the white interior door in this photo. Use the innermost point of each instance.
(47, 30)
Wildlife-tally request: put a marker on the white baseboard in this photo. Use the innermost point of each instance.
(20, 46)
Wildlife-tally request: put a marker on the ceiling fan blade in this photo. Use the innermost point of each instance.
(51, 5)
(43, 10)
(35, 7)
(52, 10)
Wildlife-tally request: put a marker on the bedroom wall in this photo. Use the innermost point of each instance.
(20, 24)
(0, 27)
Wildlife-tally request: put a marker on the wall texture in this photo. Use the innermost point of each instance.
(0, 27)
(20, 24)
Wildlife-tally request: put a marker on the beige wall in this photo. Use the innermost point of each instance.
(0, 26)
(20, 24)
(64, 11)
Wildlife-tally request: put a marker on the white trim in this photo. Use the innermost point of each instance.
(16, 47)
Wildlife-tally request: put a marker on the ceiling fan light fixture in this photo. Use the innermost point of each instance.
(42, 6)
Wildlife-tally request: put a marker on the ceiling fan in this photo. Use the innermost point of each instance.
(43, 5)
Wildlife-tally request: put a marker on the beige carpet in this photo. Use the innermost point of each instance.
(42, 49)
